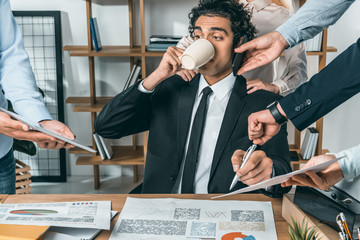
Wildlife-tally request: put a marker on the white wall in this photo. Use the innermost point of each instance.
(164, 17)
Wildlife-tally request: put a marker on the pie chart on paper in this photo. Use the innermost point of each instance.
(33, 212)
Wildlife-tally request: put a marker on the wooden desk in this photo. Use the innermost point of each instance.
(3, 197)
(118, 201)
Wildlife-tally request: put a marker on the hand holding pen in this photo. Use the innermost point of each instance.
(252, 166)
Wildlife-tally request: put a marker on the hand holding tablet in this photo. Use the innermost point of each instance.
(38, 127)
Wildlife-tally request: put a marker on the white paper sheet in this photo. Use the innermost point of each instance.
(92, 214)
(282, 178)
(37, 127)
(59, 236)
(78, 233)
(179, 219)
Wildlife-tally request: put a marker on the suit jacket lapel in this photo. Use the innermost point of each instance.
(232, 113)
(186, 102)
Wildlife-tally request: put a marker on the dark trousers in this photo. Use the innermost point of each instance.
(7, 174)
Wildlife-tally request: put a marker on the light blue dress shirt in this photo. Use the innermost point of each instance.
(311, 18)
(16, 76)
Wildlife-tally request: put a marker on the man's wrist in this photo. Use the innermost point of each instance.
(152, 80)
(282, 39)
(277, 112)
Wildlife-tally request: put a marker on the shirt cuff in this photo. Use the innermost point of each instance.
(33, 112)
(349, 164)
(142, 89)
(281, 84)
(291, 34)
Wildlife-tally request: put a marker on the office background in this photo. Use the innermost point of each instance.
(341, 126)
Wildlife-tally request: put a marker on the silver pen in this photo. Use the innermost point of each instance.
(247, 155)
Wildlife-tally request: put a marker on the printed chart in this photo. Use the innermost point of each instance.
(179, 219)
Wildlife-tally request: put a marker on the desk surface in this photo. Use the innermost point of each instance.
(118, 201)
(3, 197)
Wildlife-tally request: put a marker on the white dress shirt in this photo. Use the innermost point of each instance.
(217, 103)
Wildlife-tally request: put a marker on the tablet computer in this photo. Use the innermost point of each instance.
(37, 127)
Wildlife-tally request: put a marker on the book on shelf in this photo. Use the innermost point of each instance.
(95, 34)
(309, 143)
(134, 75)
(314, 44)
(99, 146)
(104, 147)
(164, 39)
(159, 46)
(106, 144)
(315, 134)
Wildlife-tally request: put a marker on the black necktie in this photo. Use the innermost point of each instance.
(188, 177)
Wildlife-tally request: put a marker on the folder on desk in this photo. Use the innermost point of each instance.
(22, 232)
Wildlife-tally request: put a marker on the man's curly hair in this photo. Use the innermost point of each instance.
(233, 10)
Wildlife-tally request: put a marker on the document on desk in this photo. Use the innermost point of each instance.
(55, 233)
(91, 214)
(282, 178)
(179, 219)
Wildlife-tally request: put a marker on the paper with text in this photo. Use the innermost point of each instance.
(180, 219)
(91, 214)
(282, 178)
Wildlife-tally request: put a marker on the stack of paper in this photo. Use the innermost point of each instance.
(75, 220)
(181, 219)
(77, 233)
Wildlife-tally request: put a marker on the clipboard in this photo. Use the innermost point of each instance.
(37, 127)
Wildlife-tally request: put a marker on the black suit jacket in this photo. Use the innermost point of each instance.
(166, 113)
(336, 83)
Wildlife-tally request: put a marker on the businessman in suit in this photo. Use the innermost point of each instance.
(195, 127)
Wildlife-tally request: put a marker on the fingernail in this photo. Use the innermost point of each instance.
(235, 167)
(24, 127)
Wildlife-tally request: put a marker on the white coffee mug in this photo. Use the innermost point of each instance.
(197, 54)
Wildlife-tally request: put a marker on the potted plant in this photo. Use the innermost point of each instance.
(301, 231)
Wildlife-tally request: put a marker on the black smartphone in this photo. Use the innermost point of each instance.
(238, 57)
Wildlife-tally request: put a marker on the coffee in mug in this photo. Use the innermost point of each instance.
(197, 54)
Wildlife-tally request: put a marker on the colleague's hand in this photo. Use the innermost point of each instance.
(322, 180)
(170, 64)
(21, 131)
(257, 169)
(187, 75)
(262, 127)
(261, 51)
(60, 129)
(253, 85)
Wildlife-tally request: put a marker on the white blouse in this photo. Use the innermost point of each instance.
(267, 16)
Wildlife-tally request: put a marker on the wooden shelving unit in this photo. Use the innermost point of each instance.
(93, 104)
(123, 155)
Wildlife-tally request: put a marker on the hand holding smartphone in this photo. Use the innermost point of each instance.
(238, 57)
